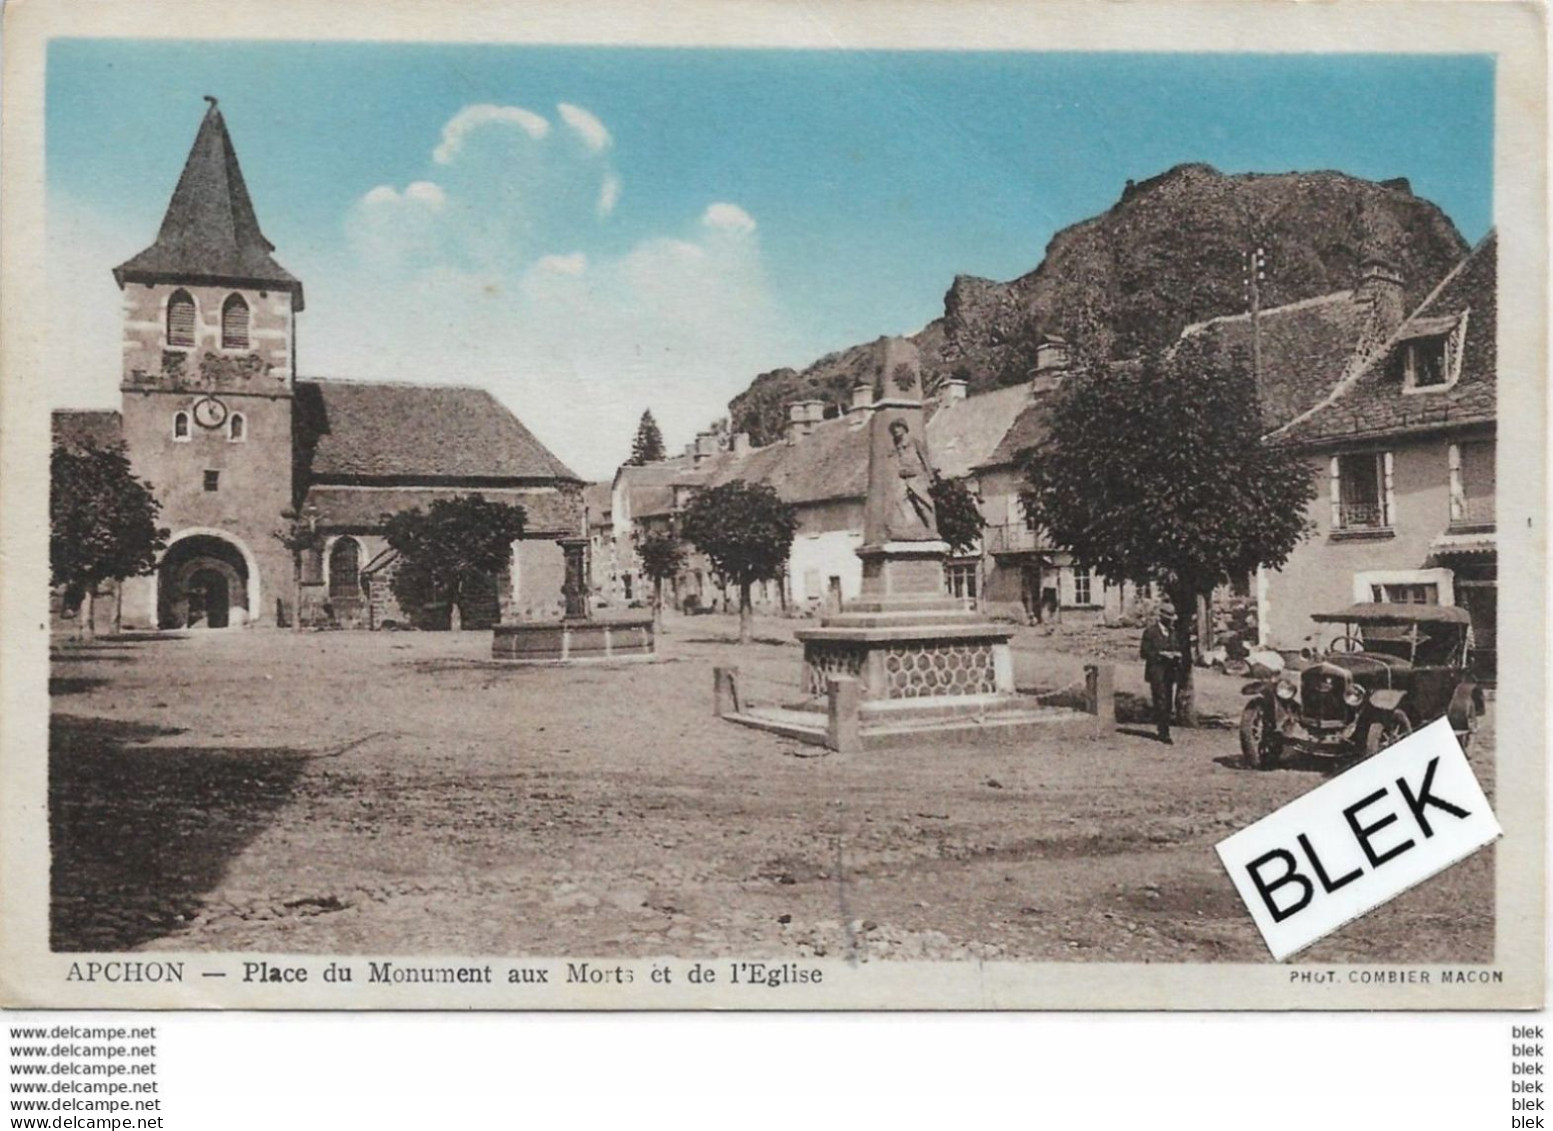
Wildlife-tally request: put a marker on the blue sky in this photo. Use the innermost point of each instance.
(591, 231)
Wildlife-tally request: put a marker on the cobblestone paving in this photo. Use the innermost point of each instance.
(401, 794)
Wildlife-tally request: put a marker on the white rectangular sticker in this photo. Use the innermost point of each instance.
(1364, 837)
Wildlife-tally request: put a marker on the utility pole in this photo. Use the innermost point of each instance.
(1256, 267)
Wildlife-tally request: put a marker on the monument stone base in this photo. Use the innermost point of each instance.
(915, 664)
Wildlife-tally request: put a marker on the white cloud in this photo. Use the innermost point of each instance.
(728, 218)
(425, 193)
(575, 341)
(609, 194)
(588, 127)
(479, 115)
(574, 264)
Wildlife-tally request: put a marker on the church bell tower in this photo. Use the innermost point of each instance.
(209, 363)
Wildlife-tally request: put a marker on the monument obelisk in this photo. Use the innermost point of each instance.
(918, 653)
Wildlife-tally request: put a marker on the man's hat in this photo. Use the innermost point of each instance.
(1167, 612)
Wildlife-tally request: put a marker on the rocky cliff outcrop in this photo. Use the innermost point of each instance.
(1170, 252)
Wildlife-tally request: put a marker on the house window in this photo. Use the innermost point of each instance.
(236, 428)
(181, 427)
(345, 569)
(234, 323)
(180, 319)
(1424, 363)
(960, 580)
(1082, 588)
(212, 481)
(1361, 491)
(1407, 594)
(1472, 483)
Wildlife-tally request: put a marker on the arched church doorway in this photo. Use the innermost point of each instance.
(202, 582)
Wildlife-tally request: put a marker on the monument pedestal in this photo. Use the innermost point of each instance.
(917, 654)
(905, 662)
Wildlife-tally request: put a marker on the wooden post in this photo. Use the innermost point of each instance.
(1100, 693)
(725, 691)
(842, 732)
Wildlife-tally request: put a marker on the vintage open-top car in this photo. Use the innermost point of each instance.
(1394, 668)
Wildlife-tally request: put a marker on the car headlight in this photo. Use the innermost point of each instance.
(1286, 690)
(1354, 695)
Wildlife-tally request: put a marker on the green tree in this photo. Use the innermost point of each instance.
(662, 556)
(746, 531)
(648, 445)
(1156, 469)
(959, 518)
(102, 523)
(450, 552)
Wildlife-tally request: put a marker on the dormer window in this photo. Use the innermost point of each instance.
(1429, 355)
(234, 323)
(181, 427)
(1423, 363)
(180, 320)
(236, 428)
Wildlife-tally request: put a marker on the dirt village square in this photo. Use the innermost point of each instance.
(446, 804)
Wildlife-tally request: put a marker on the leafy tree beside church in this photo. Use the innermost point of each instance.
(648, 445)
(451, 552)
(102, 523)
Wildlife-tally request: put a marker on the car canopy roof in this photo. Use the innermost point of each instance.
(1377, 612)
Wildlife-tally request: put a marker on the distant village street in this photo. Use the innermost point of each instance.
(402, 793)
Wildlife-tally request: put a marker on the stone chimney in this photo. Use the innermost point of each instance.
(705, 445)
(1051, 354)
(952, 390)
(862, 397)
(802, 416)
(1380, 289)
(740, 444)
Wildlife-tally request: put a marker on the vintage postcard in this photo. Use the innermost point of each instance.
(773, 506)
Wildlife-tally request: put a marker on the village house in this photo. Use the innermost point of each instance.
(1404, 446)
(214, 416)
(821, 468)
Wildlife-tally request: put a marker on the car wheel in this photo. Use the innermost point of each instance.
(1260, 745)
(1384, 731)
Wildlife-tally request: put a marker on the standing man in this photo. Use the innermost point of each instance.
(1162, 667)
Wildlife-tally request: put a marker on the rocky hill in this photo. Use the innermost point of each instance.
(1169, 253)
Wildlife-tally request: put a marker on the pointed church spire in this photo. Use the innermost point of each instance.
(210, 233)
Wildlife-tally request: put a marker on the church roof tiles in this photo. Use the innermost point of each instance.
(401, 433)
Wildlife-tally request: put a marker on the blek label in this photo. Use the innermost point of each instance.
(1363, 838)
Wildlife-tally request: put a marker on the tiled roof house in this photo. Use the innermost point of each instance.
(1404, 447)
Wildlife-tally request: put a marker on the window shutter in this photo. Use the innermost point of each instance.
(1458, 495)
(234, 323)
(180, 319)
(1388, 497)
(1336, 486)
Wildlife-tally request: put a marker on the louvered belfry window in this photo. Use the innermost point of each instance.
(180, 319)
(234, 323)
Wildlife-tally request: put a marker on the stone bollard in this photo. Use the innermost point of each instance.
(725, 691)
(842, 732)
(1100, 694)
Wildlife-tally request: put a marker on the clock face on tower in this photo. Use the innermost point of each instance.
(209, 412)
